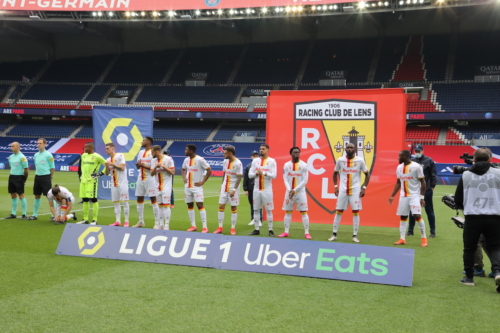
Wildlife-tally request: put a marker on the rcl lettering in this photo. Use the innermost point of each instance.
(194, 252)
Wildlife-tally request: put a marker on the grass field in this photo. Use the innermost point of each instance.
(43, 292)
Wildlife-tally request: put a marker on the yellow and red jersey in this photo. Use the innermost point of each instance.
(195, 167)
(350, 170)
(231, 172)
(409, 176)
(118, 177)
(144, 157)
(295, 176)
(268, 167)
(163, 178)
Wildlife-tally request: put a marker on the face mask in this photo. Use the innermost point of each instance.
(418, 155)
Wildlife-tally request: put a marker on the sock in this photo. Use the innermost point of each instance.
(86, 207)
(191, 217)
(140, 211)
(402, 228)
(288, 221)
(269, 214)
(166, 215)
(256, 218)
(126, 210)
(55, 205)
(203, 216)
(305, 222)
(36, 206)
(161, 217)
(355, 223)
(336, 220)
(62, 211)
(24, 205)
(421, 226)
(234, 218)
(220, 216)
(118, 211)
(95, 210)
(156, 212)
(14, 206)
(69, 216)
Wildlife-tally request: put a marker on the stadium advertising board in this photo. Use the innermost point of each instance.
(322, 123)
(487, 70)
(213, 153)
(326, 75)
(125, 5)
(453, 116)
(407, 84)
(126, 128)
(338, 261)
(255, 92)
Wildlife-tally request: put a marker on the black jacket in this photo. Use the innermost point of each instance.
(248, 183)
(479, 168)
(429, 170)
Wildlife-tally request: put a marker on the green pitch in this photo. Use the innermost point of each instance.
(43, 292)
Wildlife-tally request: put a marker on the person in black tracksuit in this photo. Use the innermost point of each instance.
(248, 184)
(429, 168)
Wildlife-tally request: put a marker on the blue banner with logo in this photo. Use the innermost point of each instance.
(213, 153)
(339, 261)
(125, 127)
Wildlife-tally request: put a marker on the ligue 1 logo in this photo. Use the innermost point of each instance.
(215, 150)
(323, 129)
(212, 3)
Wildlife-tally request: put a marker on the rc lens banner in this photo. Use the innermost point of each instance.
(126, 128)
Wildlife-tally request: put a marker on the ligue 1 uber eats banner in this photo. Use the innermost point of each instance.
(322, 123)
(139, 5)
(125, 127)
(327, 260)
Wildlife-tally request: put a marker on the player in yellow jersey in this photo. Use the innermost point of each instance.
(162, 168)
(145, 185)
(116, 167)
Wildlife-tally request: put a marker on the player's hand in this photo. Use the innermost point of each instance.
(422, 202)
(185, 180)
(390, 200)
(246, 193)
(362, 193)
(231, 194)
(199, 183)
(258, 172)
(138, 164)
(108, 164)
(336, 191)
(291, 194)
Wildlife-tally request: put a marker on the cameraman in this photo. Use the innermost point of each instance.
(430, 174)
(478, 194)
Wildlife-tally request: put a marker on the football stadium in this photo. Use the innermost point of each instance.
(250, 165)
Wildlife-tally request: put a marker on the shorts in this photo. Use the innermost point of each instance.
(224, 198)
(146, 188)
(407, 204)
(88, 190)
(263, 198)
(354, 200)
(16, 184)
(163, 197)
(193, 194)
(299, 199)
(119, 193)
(42, 185)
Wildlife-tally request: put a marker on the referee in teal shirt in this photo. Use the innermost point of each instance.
(17, 178)
(44, 165)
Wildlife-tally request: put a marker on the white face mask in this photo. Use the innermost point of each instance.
(418, 155)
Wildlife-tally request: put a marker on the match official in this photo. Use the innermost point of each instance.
(17, 179)
(430, 174)
(478, 194)
(44, 172)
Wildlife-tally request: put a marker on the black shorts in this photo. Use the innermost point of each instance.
(42, 185)
(16, 184)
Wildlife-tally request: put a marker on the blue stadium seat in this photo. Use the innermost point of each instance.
(227, 132)
(393, 48)
(55, 129)
(182, 131)
(475, 49)
(87, 69)
(468, 97)
(56, 92)
(14, 71)
(188, 94)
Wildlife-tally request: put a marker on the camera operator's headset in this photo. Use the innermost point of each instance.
(449, 200)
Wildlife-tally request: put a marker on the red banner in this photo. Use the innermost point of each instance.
(149, 5)
(322, 123)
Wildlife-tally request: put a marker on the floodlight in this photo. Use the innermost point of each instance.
(264, 10)
(362, 4)
(110, 14)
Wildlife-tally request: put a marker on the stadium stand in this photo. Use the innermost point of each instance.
(146, 67)
(86, 132)
(393, 48)
(227, 132)
(56, 92)
(427, 135)
(468, 97)
(260, 107)
(436, 49)
(4, 124)
(272, 63)
(97, 94)
(188, 94)
(212, 107)
(54, 129)
(411, 67)
(87, 70)
(453, 137)
(466, 133)
(41, 104)
(182, 131)
(353, 55)
(14, 71)
(475, 49)
(427, 105)
(354, 86)
(19, 88)
(217, 61)
(261, 137)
